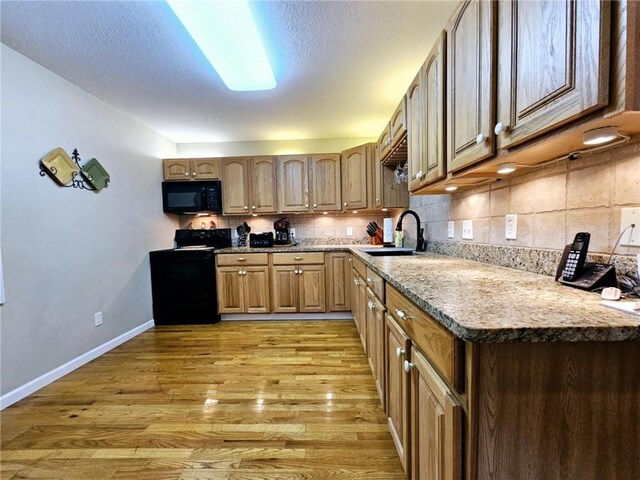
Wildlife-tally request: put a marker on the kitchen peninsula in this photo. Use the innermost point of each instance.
(484, 369)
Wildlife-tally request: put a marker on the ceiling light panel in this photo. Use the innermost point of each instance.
(228, 37)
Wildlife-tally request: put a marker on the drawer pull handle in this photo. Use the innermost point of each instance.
(298, 258)
(401, 314)
(407, 366)
(399, 352)
(242, 259)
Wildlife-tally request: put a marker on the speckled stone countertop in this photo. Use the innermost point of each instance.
(479, 302)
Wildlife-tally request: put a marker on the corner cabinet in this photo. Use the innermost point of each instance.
(191, 168)
(470, 84)
(553, 62)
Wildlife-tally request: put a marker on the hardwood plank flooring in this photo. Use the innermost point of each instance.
(232, 401)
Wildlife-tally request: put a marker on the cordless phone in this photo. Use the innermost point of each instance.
(576, 257)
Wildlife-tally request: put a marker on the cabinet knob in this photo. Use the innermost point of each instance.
(253, 207)
(295, 272)
(480, 139)
(500, 128)
(186, 174)
(300, 272)
(419, 174)
(242, 259)
(407, 366)
(401, 314)
(195, 174)
(399, 352)
(351, 260)
(370, 305)
(315, 205)
(297, 258)
(345, 204)
(246, 208)
(306, 205)
(369, 280)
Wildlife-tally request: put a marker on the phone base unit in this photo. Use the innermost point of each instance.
(592, 276)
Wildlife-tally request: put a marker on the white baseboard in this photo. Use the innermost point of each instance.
(230, 317)
(43, 380)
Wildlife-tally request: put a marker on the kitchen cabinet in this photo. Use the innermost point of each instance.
(359, 307)
(243, 283)
(338, 281)
(293, 173)
(430, 165)
(355, 177)
(436, 423)
(415, 131)
(191, 168)
(553, 65)
(298, 283)
(375, 341)
(386, 192)
(398, 123)
(249, 185)
(397, 388)
(471, 98)
(325, 182)
(384, 142)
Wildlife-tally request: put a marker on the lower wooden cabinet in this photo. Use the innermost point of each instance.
(436, 424)
(338, 286)
(298, 289)
(243, 289)
(375, 341)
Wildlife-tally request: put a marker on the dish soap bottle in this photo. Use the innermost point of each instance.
(399, 239)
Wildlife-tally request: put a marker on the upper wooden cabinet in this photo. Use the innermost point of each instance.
(324, 173)
(249, 185)
(427, 158)
(355, 177)
(293, 173)
(470, 84)
(398, 122)
(553, 65)
(384, 142)
(191, 168)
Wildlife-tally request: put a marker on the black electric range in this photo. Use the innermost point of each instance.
(183, 279)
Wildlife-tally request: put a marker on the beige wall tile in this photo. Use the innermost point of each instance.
(627, 181)
(481, 229)
(475, 206)
(496, 234)
(549, 193)
(549, 230)
(592, 220)
(522, 197)
(590, 187)
(500, 201)
(524, 231)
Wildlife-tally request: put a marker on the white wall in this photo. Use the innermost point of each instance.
(69, 253)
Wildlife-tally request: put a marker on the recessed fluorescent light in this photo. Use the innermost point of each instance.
(228, 37)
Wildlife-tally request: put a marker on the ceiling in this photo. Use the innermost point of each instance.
(341, 66)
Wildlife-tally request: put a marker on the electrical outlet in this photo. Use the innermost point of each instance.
(628, 216)
(97, 319)
(349, 231)
(511, 227)
(450, 230)
(293, 232)
(467, 229)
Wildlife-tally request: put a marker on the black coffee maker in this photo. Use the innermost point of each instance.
(283, 233)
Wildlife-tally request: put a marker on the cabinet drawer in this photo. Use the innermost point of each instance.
(230, 259)
(359, 265)
(441, 347)
(375, 283)
(298, 258)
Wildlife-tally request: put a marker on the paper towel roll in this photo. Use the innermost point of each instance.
(388, 230)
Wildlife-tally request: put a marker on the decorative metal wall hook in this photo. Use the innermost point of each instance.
(59, 166)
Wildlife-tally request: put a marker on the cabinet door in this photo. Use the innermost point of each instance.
(256, 289)
(377, 176)
(375, 342)
(263, 185)
(284, 287)
(325, 182)
(230, 290)
(338, 281)
(205, 168)
(311, 292)
(553, 65)
(354, 177)
(176, 170)
(433, 75)
(293, 176)
(384, 142)
(397, 388)
(398, 124)
(436, 425)
(362, 309)
(355, 304)
(235, 188)
(470, 83)
(415, 132)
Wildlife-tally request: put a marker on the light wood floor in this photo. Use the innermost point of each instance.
(236, 401)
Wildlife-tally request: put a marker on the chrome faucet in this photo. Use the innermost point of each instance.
(421, 245)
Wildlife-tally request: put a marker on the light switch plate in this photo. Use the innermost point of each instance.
(349, 231)
(628, 216)
(467, 229)
(510, 226)
(450, 229)
(293, 232)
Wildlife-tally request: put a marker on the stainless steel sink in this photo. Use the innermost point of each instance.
(387, 252)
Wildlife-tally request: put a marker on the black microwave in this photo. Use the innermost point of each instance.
(184, 198)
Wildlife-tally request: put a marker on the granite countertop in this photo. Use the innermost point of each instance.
(480, 302)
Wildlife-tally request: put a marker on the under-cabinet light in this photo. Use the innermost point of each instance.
(355, 211)
(505, 168)
(325, 213)
(451, 188)
(228, 37)
(385, 209)
(599, 136)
